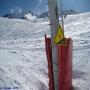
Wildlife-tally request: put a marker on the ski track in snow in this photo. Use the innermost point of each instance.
(23, 62)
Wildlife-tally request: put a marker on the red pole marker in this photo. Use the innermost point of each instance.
(65, 66)
(50, 63)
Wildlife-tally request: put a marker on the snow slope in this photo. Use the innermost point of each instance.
(23, 63)
(78, 27)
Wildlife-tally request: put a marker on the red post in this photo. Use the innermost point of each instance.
(64, 62)
(50, 63)
(65, 66)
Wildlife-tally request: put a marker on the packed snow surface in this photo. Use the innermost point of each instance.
(23, 62)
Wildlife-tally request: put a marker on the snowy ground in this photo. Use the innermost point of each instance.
(23, 63)
(78, 27)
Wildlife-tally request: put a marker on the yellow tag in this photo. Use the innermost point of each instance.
(59, 35)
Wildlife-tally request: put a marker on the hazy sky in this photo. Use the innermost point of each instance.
(11, 5)
(7, 6)
(78, 5)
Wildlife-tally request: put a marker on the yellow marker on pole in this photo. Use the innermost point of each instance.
(59, 38)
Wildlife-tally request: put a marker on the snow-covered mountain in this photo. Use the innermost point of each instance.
(44, 15)
(30, 17)
(19, 15)
(70, 12)
(23, 63)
